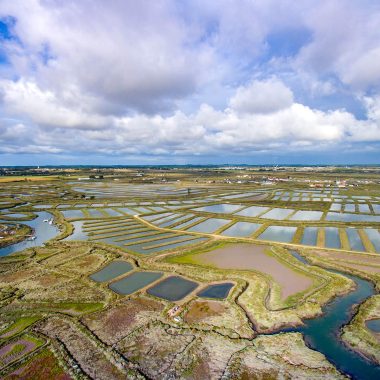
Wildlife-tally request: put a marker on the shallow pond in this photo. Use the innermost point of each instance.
(112, 212)
(278, 233)
(223, 208)
(332, 239)
(173, 288)
(42, 206)
(355, 240)
(241, 229)
(16, 215)
(336, 207)
(43, 232)
(252, 211)
(72, 214)
(157, 219)
(149, 234)
(134, 282)
(188, 223)
(307, 215)
(374, 236)
(374, 325)
(216, 291)
(143, 210)
(209, 225)
(127, 210)
(310, 236)
(168, 243)
(336, 217)
(173, 221)
(95, 213)
(112, 270)
(277, 213)
(364, 208)
(349, 207)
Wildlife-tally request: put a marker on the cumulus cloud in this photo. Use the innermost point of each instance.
(45, 108)
(210, 131)
(187, 79)
(133, 53)
(262, 97)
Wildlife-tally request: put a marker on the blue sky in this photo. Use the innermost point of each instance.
(126, 82)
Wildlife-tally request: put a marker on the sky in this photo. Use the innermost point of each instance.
(189, 81)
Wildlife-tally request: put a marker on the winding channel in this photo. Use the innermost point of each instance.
(43, 232)
(321, 333)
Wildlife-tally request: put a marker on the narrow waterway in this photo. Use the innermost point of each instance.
(43, 231)
(323, 333)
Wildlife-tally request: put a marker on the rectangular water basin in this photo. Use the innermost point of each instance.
(278, 233)
(307, 215)
(355, 240)
(349, 207)
(252, 211)
(173, 288)
(332, 239)
(310, 236)
(188, 223)
(241, 229)
(72, 214)
(223, 208)
(209, 225)
(277, 213)
(111, 271)
(374, 236)
(134, 282)
(338, 217)
(218, 291)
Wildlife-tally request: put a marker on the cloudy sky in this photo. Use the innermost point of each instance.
(189, 81)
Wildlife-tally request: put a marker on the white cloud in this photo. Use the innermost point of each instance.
(188, 78)
(207, 131)
(262, 97)
(135, 55)
(45, 108)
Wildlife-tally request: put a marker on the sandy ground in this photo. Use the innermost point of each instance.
(249, 256)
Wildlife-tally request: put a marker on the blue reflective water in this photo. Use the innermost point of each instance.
(277, 213)
(310, 236)
(374, 325)
(216, 291)
(337, 217)
(355, 240)
(209, 225)
(252, 211)
(112, 270)
(173, 288)
(322, 333)
(72, 214)
(134, 282)
(278, 233)
(307, 215)
(223, 208)
(241, 229)
(332, 239)
(374, 236)
(43, 232)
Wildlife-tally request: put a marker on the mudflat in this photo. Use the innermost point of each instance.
(250, 256)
